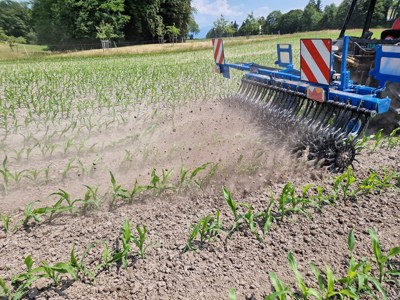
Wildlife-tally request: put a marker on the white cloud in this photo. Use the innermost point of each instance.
(217, 8)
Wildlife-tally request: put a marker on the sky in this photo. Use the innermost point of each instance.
(237, 10)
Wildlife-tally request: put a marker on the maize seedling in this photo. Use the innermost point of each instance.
(392, 140)
(5, 220)
(140, 240)
(34, 214)
(80, 265)
(342, 183)
(193, 234)
(281, 291)
(304, 290)
(381, 259)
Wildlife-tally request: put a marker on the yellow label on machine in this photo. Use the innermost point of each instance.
(316, 93)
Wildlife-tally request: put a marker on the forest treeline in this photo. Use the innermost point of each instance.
(55, 22)
(312, 17)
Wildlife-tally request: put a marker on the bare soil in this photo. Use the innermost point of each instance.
(252, 164)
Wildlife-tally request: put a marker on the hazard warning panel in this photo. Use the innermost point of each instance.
(218, 51)
(315, 60)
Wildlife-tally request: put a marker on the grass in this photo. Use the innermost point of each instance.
(21, 51)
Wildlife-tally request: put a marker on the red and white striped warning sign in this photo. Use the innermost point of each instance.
(315, 60)
(218, 51)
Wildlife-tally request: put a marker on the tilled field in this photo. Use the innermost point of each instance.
(253, 165)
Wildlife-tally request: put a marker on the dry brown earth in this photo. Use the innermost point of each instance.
(252, 163)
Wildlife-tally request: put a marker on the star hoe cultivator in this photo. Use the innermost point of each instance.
(324, 111)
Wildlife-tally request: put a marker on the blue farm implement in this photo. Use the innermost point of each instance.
(324, 110)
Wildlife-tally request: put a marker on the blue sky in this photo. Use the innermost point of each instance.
(209, 10)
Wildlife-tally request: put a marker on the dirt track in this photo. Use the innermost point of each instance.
(251, 165)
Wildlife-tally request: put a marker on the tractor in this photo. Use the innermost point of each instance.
(361, 59)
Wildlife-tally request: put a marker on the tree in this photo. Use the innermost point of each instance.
(311, 17)
(160, 30)
(360, 12)
(173, 32)
(272, 22)
(57, 21)
(15, 19)
(11, 40)
(250, 26)
(291, 21)
(220, 26)
(193, 27)
(230, 30)
(145, 19)
(329, 19)
(178, 12)
(105, 31)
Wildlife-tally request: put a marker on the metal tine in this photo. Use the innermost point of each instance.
(298, 108)
(241, 87)
(247, 86)
(293, 102)
(270, 95)
(265, 91)
(276, 103)
(288, 101)
(307, 109)
(318, 107)
(260, 92)
(343, 116)
(252, 91)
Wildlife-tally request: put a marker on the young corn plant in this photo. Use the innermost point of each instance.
(79, 265)
(5, 172)
(366, 185)
(160, 184)
(90, 201)
(118, 192)
(136, 190)
(5, 220)
(381, 259)
(231, 203)
(127, 238)
(190, 246)
(207, 228)
(249, 217)
(56, 271)
(69, 167)
(34, 214)
(22, 282)
(58, 207)
(288, 202)
(377, 140)
(305, 291)
(232, 294)
(342, 184)
(392, 140)
(281, 290)
(140, 240)
(267, 215)
(358, 278)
